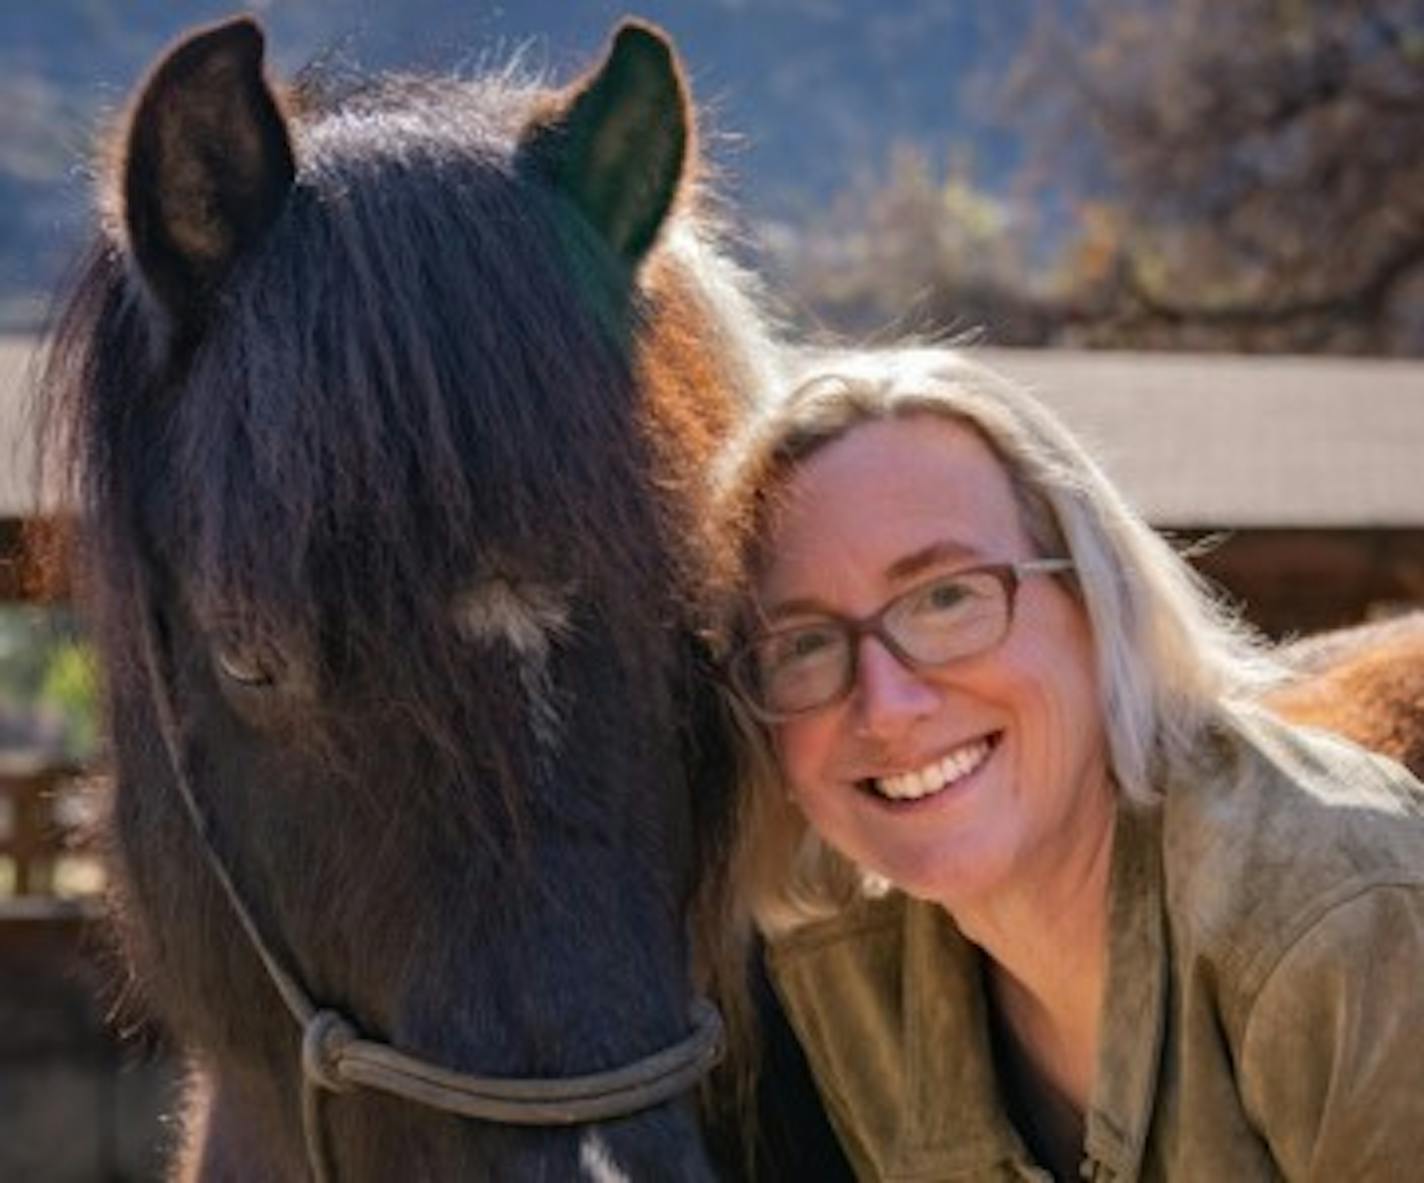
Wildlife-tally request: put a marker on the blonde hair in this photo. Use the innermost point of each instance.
(1172, 661)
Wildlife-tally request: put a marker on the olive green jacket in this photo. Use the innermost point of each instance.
(1263, 1016)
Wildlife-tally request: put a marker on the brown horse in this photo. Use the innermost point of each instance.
(1365, 683)
(389, 403)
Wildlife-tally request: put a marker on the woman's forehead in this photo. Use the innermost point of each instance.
(856, 509)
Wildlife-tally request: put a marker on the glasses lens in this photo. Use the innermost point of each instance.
(797, 668)
(949, 618)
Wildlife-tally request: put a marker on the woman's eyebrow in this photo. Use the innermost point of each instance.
(946, 550)
(799, 606)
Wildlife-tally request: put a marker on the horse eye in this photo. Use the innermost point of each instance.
(248, 663)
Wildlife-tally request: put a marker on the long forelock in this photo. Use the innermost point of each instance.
(363, 434)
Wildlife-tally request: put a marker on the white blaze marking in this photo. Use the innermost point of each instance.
(529, 617)
(597, 1161)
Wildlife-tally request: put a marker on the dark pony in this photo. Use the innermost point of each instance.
(389, 404)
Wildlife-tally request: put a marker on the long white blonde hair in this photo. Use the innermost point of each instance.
(1172, 661)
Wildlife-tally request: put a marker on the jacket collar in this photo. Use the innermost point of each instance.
(955, 1128)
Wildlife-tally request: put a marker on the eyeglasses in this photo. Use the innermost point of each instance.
(793, 671)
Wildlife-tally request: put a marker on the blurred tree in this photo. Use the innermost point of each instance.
(71, 692)
(49, 690)
(915, 252)
(1245, 176)
(1258, 168)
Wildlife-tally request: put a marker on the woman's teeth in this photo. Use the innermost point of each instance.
(910, 786)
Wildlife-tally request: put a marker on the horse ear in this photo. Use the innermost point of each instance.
(207, 164)
(618, 145)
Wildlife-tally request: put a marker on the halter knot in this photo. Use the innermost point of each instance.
(326, 1035)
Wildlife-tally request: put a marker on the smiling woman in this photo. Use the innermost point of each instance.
(1046, 888)
(1001, 716)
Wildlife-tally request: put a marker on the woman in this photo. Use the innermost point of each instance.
(1042, 888)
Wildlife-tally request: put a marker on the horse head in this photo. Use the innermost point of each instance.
(390, 402)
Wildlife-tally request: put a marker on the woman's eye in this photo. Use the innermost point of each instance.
(802, 646)
(944, 595)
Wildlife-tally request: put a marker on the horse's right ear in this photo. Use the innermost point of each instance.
(207, 165)
(618, 144)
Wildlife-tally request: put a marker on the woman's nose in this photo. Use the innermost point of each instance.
(890, 696)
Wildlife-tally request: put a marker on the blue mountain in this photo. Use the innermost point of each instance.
(802, 98)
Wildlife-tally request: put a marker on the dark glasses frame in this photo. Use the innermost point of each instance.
(741, 666)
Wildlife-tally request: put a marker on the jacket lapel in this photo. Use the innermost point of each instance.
(954, 1128)
(1135, 996)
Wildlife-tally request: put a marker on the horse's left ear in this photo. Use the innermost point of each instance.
(619, 142)
(207, 165)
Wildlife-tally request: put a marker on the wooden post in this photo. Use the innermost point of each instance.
(35, 839)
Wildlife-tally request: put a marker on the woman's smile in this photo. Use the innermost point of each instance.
(954, 770)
